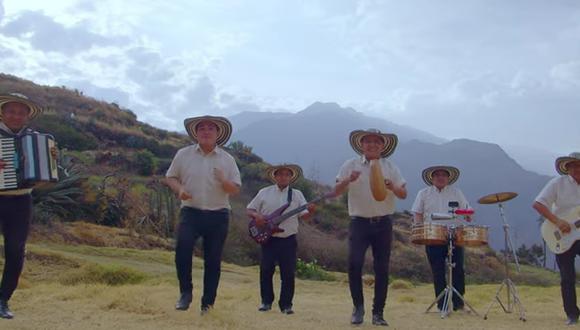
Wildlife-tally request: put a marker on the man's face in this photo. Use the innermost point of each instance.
(372, 146)
(440, 179)
(282, 177)
(207, 133)
(574, 170)
(15, 115)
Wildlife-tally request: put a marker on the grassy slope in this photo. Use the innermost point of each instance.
(47, 300)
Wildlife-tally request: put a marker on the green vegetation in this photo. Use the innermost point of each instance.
(312, 271)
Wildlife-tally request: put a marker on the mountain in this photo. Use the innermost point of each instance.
(317, 139)
(534, 159)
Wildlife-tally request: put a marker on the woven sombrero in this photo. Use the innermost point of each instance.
(428, 173)
(390, 140)
(34, 109)
(224, 127)
(293, 168)
(562, 162)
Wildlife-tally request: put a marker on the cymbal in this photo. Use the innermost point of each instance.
(497, 197)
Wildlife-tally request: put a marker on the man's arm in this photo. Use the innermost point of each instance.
(177, 188)
(418, 217)
(230, 187)
(548, 215)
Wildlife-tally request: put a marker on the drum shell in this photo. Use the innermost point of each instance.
(429, 234)
(471, 235)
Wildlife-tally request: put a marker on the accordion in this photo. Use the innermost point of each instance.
(28, 160)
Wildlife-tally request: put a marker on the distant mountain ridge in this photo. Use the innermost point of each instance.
(317, 139)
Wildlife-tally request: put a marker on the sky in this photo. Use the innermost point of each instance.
(499, 71)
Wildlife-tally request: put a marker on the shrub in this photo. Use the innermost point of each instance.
(97, 274)
(312, 271)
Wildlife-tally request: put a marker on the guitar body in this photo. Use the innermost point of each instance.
(557, 241)
(263, 234)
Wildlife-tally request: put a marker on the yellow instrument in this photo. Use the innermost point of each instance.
(377, 181)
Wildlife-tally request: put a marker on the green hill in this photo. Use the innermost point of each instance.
(115, 162)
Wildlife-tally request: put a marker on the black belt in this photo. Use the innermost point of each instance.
(218, 211)
(373, 219)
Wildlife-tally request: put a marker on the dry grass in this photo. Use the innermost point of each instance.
(48, 304)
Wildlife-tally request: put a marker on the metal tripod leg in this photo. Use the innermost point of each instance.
(513, 298)
(447, 293)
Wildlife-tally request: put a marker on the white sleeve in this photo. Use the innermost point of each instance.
(548, 195)
(174, 170)
(256, 202)
(344, 171)
(419, 204)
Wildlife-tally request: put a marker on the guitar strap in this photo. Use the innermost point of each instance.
(289, 195)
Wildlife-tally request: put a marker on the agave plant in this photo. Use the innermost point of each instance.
(61, 200)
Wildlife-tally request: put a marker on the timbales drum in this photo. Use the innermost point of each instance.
(429, 234)
(471, 235)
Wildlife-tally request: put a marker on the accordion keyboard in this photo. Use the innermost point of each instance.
(8, 179)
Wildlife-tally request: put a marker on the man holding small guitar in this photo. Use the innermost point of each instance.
(278, 239)
(559, 204)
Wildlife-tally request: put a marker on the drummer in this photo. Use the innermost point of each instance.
(441, 198)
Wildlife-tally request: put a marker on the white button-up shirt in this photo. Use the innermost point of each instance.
(431, 200)
(360, 200)
(561, 195)
(271, 198)
(195, 171)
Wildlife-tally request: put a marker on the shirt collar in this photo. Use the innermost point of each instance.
(445, 189)
(5, 128)
(283, 190)
(571, 179)
(215, 150)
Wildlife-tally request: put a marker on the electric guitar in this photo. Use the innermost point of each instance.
(273, 220)
(557, 241)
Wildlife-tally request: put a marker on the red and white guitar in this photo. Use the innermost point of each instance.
(557, 241)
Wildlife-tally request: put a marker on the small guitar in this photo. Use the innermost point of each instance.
(273, 220)
(557, 241)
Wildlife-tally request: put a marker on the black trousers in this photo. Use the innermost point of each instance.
(281, 251)
(15, 218)
(212, 227)
(437, 254)
(568, 279)
(378, 234)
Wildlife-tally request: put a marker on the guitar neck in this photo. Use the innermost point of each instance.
(299, 209)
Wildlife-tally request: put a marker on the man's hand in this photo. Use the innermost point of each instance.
(260, 221)
(54, 152)
(564, 226)
(353, 176)
(183, 194)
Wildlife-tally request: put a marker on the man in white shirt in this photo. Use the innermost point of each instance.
(16, 111)
(436, 198)
(203, 175)
(560, 196)
(371, 222)
(281, 248)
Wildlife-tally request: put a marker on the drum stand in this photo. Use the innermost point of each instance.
(447, 294)
(513, 298)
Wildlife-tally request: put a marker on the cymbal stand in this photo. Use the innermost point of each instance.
(513, 298)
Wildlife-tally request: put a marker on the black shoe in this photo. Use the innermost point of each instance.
(572, 320)
(205, 309)
(183, 302)
(458, 308)
(358, 314)
(379, 320)
(287, 311)
(265, 307)
(5, 312)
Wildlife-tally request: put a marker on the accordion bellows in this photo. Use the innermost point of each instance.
(28, 159)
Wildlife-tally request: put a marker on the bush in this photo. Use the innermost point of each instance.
(96, 274)
(312, 271)
(145, 163)
(65, 134)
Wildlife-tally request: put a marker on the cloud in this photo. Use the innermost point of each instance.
(45, 34)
